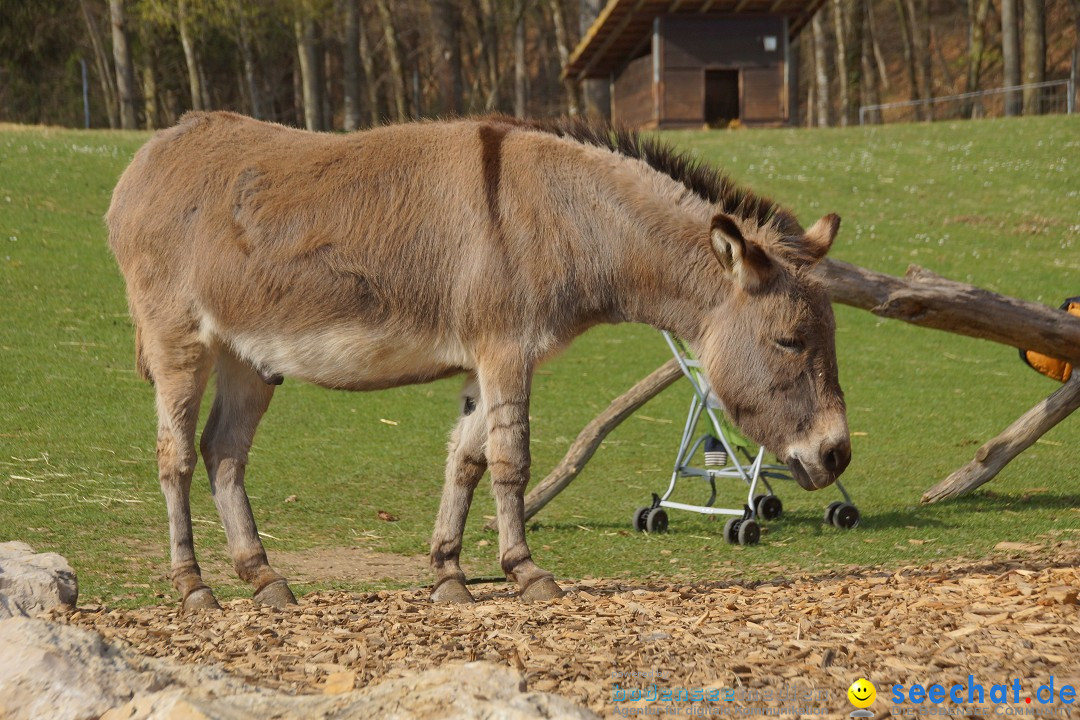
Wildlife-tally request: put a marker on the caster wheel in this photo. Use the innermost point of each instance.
(831, 511)
(768, 507)
(656, 520)
(846, 516)
(731, 530)
(639, 518)
(749, 532)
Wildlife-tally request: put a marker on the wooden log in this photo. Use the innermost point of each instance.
(1019, 436)
(589, 439)
(928, 300)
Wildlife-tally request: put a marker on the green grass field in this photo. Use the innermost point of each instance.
(995, 203)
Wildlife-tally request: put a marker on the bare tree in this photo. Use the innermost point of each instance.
(851, 19)
(520, 8)
(909, 53)
(1010, 54)
(447, 16)
(399, 84)
(101, 62)
(242, 22)
(841, 57)
(918, 15)
(871, 92)
(307, 52)
(351, 66)
(187, 40)
(1034, 53)
(821, 68)
(562, 43)
(367, 62)
(977, 12)
(125, 72)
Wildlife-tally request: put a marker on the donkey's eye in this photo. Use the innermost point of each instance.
(791, 344)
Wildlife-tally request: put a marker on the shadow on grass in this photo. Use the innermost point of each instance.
(921, 516)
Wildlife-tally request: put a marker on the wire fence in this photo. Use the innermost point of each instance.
(1051, 97)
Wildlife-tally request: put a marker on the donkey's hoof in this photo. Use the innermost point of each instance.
(452, 592)
(276, 594)
(201, 599)
(543, 589)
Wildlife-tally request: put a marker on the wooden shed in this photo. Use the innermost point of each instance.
(690, 63)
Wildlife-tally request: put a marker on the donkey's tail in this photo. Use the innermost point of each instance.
(141, 366)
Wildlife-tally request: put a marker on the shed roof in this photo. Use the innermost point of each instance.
(623, 26)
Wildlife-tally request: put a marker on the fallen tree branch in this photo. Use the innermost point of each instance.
(928, 300)
(1019, 436)
(589, 439)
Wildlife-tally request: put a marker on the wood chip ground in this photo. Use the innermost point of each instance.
(1015, 616)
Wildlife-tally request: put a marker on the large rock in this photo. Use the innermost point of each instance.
(455, 692)
(49, 670)
(67, 673)
(32, 582)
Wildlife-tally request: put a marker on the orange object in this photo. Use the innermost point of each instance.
(1052, 367)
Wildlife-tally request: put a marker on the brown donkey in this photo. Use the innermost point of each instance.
(413, 252)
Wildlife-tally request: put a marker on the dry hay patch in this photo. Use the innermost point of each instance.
(1011, 617)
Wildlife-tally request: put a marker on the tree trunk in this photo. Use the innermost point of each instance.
(977, 10)
(520, 7)
(183, 22)
(489, 47)
(367, 62)
(854, 19)
(1010, 54)
(871, 92)
(918, 12)
(879, 58)
(447, 16)
(307, 51)
(104, 69)
(909, 53)
(1034, 53)
(351, 66)
(596, 94)
(148, 45)
(125, 72)
(562, 43)
(1074, 70)
(399, 84)
(247, 57)
(839, 24)
(821, 68)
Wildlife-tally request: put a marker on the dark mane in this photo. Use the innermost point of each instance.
(700, 178)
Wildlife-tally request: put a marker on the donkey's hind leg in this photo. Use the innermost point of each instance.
(465, 465)
(180, 367)
(242, 398)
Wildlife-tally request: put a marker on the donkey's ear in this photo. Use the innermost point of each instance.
(737, 255)
(819, 238)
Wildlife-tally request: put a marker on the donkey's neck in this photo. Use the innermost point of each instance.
(664, 272)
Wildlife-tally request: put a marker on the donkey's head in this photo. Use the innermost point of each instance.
(768, 347)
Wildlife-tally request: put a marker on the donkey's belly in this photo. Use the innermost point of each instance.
(351, 357)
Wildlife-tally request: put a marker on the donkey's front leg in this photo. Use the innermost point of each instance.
(465, 465)
(505, 387)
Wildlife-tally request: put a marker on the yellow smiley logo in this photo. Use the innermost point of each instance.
(862, 693)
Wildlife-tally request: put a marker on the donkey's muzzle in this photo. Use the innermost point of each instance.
(814, 473)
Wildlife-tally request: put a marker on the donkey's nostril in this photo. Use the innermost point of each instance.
(837, 457)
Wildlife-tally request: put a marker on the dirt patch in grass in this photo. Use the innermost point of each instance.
(1012, 616)
(351, 564)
